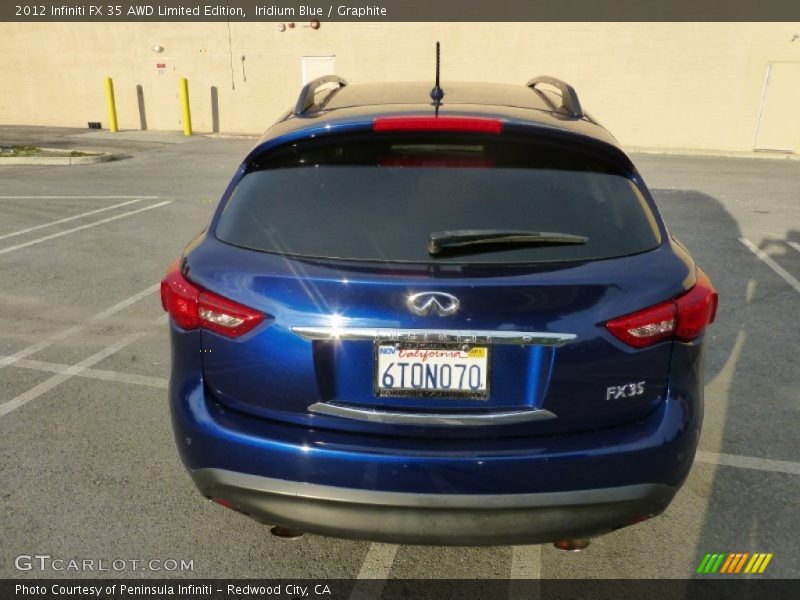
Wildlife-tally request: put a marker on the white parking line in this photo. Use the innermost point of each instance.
(767, 260)
(77, 197)
(378, 561)
(526, 564)
(82, 227)
(58, 378)
(33, 349)
(101, 374)
(51, 223)
(374, 572)
(794, 245)
(749, 462)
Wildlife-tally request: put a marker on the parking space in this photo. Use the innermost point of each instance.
(86, 451)
(26, 215)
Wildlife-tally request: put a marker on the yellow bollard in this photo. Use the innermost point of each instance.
(112, 108)
(187, 116)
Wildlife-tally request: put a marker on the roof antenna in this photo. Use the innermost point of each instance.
(437, 93)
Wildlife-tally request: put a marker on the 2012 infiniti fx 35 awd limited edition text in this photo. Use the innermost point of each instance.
(445, 317)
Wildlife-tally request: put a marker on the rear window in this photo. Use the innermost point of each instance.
(379, 198)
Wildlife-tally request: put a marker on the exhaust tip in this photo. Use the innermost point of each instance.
(286, 533)
(575, 545)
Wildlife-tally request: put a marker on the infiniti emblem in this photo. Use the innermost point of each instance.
(427, 303)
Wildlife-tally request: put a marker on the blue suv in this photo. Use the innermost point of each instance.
(448, 317)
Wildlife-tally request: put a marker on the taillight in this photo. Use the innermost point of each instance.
(645, 327)
(225, 316)
(427, 123)
(192, 308)
(179, 298)
(684, 318)
(697, 308)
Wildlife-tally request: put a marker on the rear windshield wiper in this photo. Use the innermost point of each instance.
(494, 239)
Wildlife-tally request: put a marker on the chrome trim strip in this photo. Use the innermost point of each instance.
(423, 419)
(472, 336)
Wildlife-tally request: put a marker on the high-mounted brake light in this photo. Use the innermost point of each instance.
(426, 123)
(683, 318)
(438, 161)
(193, 308)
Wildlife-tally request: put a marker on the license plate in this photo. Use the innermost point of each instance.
(432, 370)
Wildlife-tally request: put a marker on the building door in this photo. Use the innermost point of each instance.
(317, 66)
(778, 121)
(159, 103)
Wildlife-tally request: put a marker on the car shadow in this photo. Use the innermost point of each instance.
(711, 234)
(751, 385)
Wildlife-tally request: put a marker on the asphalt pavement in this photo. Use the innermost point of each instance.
(88, 465)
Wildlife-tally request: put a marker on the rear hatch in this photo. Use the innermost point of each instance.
(368, 330)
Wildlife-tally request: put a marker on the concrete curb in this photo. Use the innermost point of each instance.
(231, 136)
(713, 153)
(56, 160)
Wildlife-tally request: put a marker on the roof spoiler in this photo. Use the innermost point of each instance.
(570, 105)
(306, 98)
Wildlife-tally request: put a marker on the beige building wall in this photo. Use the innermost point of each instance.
(654, 85)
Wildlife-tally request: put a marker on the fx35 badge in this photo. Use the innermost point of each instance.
(629, 390)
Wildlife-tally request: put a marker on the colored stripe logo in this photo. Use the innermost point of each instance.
(734, 562)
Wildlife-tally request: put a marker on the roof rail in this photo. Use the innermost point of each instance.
(569, 97)
(306, 98)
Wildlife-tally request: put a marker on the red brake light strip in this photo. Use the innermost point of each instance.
(431, 123)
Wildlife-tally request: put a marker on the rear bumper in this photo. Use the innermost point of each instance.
(444, 519)
(440, 489)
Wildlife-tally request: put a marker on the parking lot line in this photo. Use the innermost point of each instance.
(101, 374)
(767, 260)
(794, 245)
(526, 565)
(526, 562)
(77, 197)
(82, 227)
(378, 561)
(749, 462)
(374, 571)
(58, 378)
(51, 223)
(33, 349)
